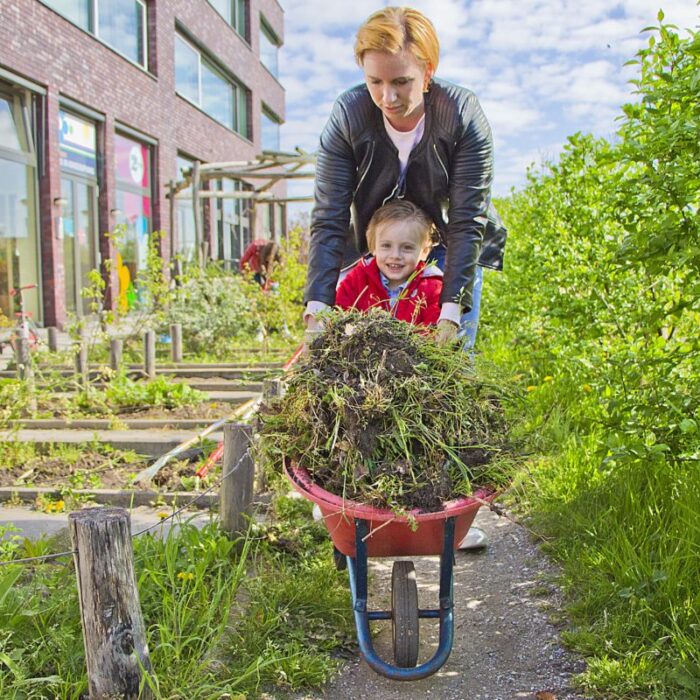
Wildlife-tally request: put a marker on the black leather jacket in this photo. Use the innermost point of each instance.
(449, 175)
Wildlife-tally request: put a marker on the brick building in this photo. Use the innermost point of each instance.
(102, 103)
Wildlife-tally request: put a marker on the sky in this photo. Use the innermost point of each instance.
(542, 69)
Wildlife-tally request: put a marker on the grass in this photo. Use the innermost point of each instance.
(224, 618)
(626, 533)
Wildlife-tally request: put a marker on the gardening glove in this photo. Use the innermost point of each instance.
(313, 328)
(446, 332)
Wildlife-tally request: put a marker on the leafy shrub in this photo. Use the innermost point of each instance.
(214, 309)
(597, 313)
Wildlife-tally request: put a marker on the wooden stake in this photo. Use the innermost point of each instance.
(149, 354)
(236, 493)
(53, 338)
(81, 363)
(23, 358)
(176, 341)
(113, 629)
(116, 350)
(196, 205)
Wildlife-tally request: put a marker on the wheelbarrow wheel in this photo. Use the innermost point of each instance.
(404, 607)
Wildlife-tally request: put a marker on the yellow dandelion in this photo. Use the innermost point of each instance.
(531, 388)
(548, 378)
(163, 515)
(185, 575)
(587, 388)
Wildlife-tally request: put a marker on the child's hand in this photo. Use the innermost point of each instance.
(446, 331)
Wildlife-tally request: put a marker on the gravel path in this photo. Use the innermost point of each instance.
(505, 646)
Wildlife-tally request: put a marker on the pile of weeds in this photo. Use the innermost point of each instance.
(381, 414)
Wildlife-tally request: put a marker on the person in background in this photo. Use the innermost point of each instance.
(396, 278)
(259, 258)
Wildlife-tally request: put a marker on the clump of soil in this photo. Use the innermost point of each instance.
(379, 413)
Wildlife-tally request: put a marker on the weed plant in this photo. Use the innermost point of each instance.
(377, 412)
(596, 317)
(224, 618)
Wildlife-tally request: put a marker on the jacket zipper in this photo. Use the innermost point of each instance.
(364, 175)
(442, 165)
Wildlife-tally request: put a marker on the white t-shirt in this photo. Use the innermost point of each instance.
(405, 141)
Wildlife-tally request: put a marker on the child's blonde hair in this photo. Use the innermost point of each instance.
(401, 210)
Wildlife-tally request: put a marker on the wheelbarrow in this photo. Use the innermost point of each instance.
(360, 531)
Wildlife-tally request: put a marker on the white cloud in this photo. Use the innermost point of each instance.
(542, 69)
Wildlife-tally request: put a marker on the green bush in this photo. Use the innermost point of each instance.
(597, 315)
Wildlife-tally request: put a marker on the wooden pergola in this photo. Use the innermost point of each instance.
(261, 174)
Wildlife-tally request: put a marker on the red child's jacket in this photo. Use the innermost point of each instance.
(419, 302)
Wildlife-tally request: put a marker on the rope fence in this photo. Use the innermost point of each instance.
(160, 523)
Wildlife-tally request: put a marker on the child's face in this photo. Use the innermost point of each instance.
(398, 249)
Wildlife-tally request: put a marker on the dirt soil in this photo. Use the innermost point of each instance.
(506, 641)
(93, 470)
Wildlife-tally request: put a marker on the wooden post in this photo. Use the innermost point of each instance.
(236, 493)
(176, 341)
(23, 358)
(177, 271)
(81, 362)
(113, 629)
(149, 354)
(197, 210)
(53, 338)
(116, 350)
(171, 212)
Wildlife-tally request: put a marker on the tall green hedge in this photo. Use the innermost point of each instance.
(598, 315)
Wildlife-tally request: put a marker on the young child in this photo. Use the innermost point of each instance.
(396, 278)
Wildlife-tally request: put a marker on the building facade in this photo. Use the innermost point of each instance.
(105, 102)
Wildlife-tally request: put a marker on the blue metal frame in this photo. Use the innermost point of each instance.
(357, 573)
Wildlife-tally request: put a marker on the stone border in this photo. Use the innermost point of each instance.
(114, 497)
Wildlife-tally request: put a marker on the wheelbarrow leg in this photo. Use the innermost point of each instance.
(357, 574)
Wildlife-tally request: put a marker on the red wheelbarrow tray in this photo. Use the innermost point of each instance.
(389, 535)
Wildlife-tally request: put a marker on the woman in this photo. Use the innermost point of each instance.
(404, 133)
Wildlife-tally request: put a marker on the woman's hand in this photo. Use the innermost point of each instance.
(446, 331)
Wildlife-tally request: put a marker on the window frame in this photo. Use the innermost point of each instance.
(239, 92)
(270, 34)
(234, 20)
(93, 24)
(266, 112)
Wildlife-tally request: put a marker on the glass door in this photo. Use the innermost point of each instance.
(79, 240)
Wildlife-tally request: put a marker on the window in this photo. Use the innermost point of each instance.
(186, 244)
(119, 23)
(270, 131)
(273, 220)
(77, 140)
(269, 47)
(201, 82)
(233, 223)
(235, 12)
(133, 190)
(19, 244)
